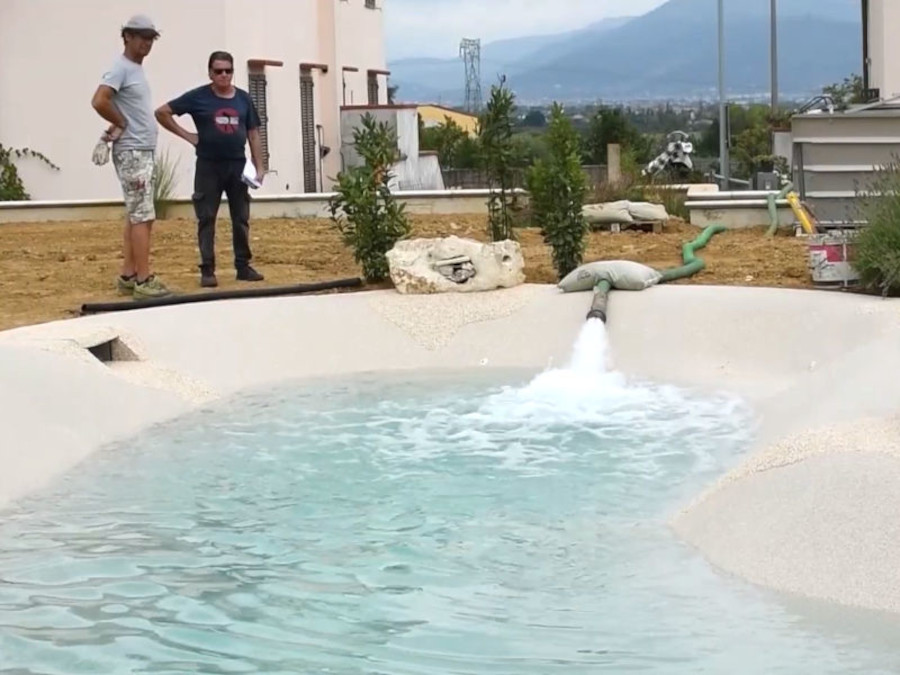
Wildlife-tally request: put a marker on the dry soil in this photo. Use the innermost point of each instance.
(48, 270)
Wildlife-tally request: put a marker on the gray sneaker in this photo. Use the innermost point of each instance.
(125, 285)
(152, 287)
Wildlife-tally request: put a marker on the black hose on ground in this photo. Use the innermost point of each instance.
(266, 292)
(598, 304)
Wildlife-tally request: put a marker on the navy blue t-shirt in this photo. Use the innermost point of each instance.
(222, 123)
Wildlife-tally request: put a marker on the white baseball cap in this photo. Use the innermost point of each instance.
(140, 22)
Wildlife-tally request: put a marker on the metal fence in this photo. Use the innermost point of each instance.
(477, 179)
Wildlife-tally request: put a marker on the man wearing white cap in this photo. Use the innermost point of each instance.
(123, 98)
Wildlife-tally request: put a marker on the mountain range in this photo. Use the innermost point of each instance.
(668, 53)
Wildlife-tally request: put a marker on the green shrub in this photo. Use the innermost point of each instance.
(877, 254)
(11, 187)
(164, 182)
(447, 139)
(557, 186)
(498, 157)
(365, 212)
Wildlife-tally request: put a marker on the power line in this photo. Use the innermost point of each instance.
(470, 53)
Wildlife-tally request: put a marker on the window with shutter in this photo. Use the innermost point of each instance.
(308, 131)
(257, 90)
(373, 89)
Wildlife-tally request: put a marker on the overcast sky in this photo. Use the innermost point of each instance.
(435, 27)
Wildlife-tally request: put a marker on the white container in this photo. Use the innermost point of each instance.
(830, 257)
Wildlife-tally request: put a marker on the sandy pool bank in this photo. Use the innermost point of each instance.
(811, 511)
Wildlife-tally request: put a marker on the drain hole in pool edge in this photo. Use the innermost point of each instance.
(113, 350)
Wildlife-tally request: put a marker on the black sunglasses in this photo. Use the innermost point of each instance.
(219, 71)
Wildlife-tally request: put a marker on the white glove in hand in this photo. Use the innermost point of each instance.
(101, 153)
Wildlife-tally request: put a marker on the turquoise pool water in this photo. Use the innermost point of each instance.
(483, 522)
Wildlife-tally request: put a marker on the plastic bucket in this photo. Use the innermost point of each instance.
(830, 259)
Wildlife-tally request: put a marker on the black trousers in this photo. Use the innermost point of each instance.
(211, 178)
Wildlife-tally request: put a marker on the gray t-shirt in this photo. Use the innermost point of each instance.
(133, 100)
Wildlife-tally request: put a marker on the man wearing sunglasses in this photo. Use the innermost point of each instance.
(226, 120)
(123, 99)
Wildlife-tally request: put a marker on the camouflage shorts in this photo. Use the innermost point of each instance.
(135, 170)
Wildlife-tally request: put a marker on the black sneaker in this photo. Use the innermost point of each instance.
(208, 278)
(248, 274)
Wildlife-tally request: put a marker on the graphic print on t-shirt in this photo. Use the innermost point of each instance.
(222, 124)
(227, 120)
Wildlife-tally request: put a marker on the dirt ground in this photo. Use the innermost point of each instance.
(48, 270)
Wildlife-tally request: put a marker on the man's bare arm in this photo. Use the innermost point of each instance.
(256, 153)
(166, 119)
(102, 103)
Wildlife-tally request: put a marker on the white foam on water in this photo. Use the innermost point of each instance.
(544, 421)
(587, 390)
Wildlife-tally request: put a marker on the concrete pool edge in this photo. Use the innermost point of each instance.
(815, 365)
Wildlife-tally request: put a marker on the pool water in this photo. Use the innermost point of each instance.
(481, 522)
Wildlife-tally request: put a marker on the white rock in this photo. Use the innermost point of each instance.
(455, 265)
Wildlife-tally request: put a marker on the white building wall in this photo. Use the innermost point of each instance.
(357, 50)
(413, 171)
(328, 88)
(279, 31)
(884, 47)
(53, 52)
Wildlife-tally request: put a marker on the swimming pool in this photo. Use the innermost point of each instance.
(475, 522)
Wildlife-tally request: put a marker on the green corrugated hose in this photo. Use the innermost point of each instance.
(692, 264)
(773, 208)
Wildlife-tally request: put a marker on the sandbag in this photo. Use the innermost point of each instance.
(647, 211)
(607, 213)
(624, 275)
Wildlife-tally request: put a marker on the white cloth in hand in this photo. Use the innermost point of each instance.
(249, 175)
(101, 153)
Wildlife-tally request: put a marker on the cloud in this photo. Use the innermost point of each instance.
(435, 27)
